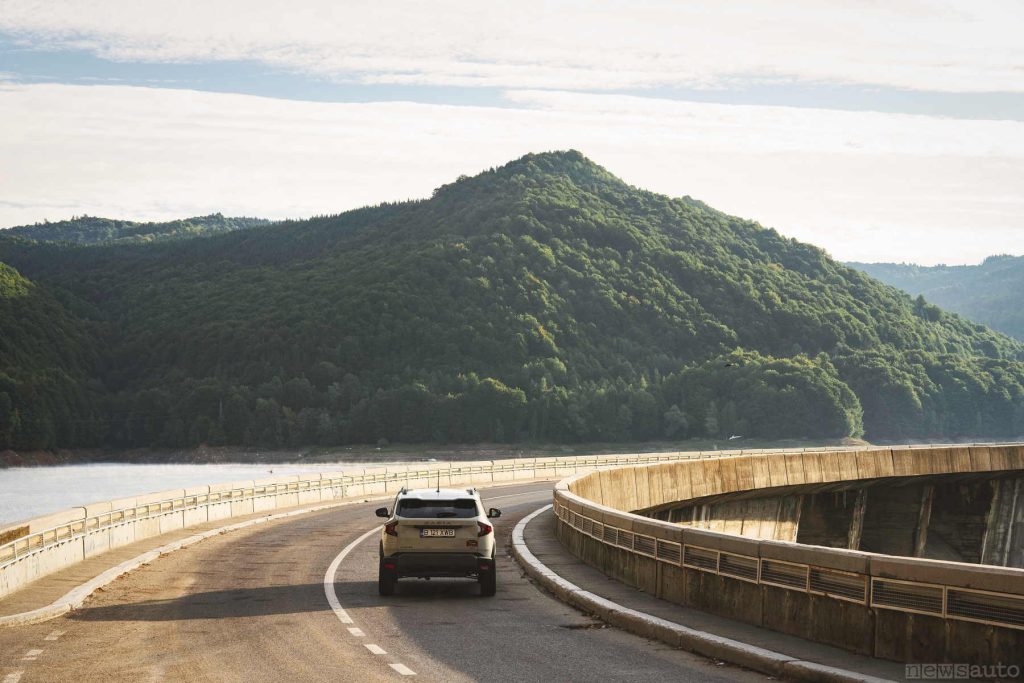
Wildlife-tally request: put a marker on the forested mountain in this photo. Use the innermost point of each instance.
(990, 293)
(545, 299)
(48, 353)
(92, 230)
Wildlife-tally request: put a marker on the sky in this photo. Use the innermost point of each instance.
(881, 131)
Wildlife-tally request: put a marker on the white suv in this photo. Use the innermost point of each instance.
(437, 532)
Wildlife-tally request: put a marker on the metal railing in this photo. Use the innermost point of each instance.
(28, 543)
(39, 541)
(948, 602)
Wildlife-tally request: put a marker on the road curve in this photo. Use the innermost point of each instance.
(252, 605)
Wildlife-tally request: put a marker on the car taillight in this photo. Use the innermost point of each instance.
(484, 529)
(389, 528)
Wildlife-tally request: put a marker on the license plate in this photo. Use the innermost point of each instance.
(437, 533)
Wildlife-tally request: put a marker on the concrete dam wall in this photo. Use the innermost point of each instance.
(966, 517)
(910, 609)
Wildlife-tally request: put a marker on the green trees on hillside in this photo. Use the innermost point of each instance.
(47, 356)
(543, 300)
(88, 230)
(988, 293)
(745, 393)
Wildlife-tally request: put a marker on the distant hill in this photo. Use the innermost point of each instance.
(91, 230)
(990, 293)
(545, 299)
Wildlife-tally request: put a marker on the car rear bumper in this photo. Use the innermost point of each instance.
(437, 564)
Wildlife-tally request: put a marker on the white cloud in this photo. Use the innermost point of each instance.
(767, 129)
(939, 45)
(866, 186)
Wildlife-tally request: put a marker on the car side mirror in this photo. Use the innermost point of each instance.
(382, 512)
(493, 512)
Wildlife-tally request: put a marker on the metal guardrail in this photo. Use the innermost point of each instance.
(33, 543)
(40, 541)
(948, 602)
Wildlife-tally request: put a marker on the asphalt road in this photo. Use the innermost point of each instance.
(251, 606)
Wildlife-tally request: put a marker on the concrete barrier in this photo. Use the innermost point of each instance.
(899, 608)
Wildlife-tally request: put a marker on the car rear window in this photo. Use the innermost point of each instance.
(462, 508)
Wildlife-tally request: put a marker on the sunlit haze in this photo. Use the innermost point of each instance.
(889, 132)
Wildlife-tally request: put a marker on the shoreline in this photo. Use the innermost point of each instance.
(395, 453)
(369, 453)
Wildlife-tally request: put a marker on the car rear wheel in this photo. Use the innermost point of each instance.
(386, 580)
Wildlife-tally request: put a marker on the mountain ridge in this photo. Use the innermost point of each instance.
(544, 299)
(988, 293)
(92, 230)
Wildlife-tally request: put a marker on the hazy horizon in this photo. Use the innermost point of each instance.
(880, 133)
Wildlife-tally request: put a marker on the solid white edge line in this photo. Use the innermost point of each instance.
(595, 603)
(332, 596)
(402, 669)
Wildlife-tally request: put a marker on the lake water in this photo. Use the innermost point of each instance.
(28, 492)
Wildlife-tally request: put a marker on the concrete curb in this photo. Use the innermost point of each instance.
(74, 598)
(676, 635)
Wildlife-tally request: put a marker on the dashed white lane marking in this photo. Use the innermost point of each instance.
(402, 669)
(54, 636)
(343, 616)
(31, 655)
(13, 677)
(332, 596)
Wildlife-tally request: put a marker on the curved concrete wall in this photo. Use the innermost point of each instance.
(41, 546)
(905, 609)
